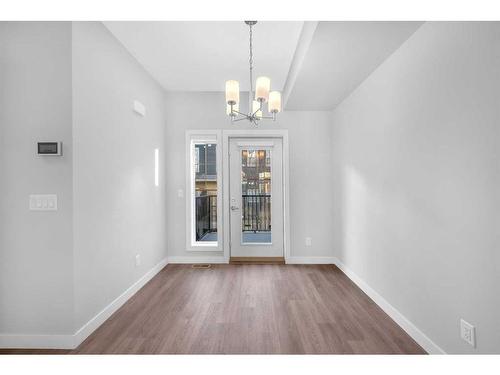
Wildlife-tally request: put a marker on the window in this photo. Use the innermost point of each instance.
(204, 201)
(205, 161)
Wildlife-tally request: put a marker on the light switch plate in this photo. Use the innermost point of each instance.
(43, 202)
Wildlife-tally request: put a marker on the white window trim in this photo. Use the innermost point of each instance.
(215, 137)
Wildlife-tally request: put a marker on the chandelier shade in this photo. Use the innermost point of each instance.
(274, 105)
(232, 92)
(262, 88)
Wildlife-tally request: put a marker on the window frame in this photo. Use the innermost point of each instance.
(192, 138)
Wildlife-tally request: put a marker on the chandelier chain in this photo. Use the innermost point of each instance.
(251, 64)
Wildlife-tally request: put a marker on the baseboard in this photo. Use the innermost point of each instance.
(223, 260)
(197, 259)
(101, 317)
(72, 341)
(8, 341)
(311, 260)
(412, 330)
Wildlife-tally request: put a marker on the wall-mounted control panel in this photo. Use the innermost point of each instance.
(49, 148)
(43, 202)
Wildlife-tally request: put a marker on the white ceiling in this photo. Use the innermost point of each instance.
(326, 60)
(201, 56)
(340, 56)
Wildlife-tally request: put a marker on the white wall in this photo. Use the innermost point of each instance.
(310, 170)
(118, 211)
(417, 181)
(36, 255)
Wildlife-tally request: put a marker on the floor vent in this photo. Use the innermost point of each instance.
(201, 266)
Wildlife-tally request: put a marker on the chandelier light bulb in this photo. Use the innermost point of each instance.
(232, 92)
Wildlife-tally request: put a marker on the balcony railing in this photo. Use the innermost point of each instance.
(206, 216)
(256, 211)
(256, 215)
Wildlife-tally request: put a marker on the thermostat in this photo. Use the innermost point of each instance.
(49, 148)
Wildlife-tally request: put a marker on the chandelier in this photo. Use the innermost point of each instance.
(262, 95)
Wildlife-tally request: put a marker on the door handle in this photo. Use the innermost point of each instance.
(234, 208)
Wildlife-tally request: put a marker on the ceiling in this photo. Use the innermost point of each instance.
(340, 56)
(317, 63)
(202, 56)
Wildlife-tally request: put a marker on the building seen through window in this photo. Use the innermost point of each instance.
(205, 169)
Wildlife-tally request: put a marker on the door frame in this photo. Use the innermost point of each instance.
(256, 133)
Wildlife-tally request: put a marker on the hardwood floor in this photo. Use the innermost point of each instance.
(250, 309)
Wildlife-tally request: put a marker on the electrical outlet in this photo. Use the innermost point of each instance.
(468, 333)
(308, 241)
(137, 260)
(180, 193)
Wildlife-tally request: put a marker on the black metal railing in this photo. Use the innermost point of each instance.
(256, 214)
(206, 215)
(256, 211)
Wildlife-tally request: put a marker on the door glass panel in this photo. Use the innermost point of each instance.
(256, 196)
(205, 192)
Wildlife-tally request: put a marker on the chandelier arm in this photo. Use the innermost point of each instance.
(238, 112)
(257, 110)
(241, 118)
(253, 114)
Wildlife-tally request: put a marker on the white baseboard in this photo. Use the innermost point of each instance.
(223, 260)
(8, 341)
(72, 341)
(101, 317)
(412, 330)
(197, 259)
(311, 260)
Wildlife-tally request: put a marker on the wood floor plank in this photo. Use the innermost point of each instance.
(248, 309)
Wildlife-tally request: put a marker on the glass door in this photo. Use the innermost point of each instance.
(256, 199)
